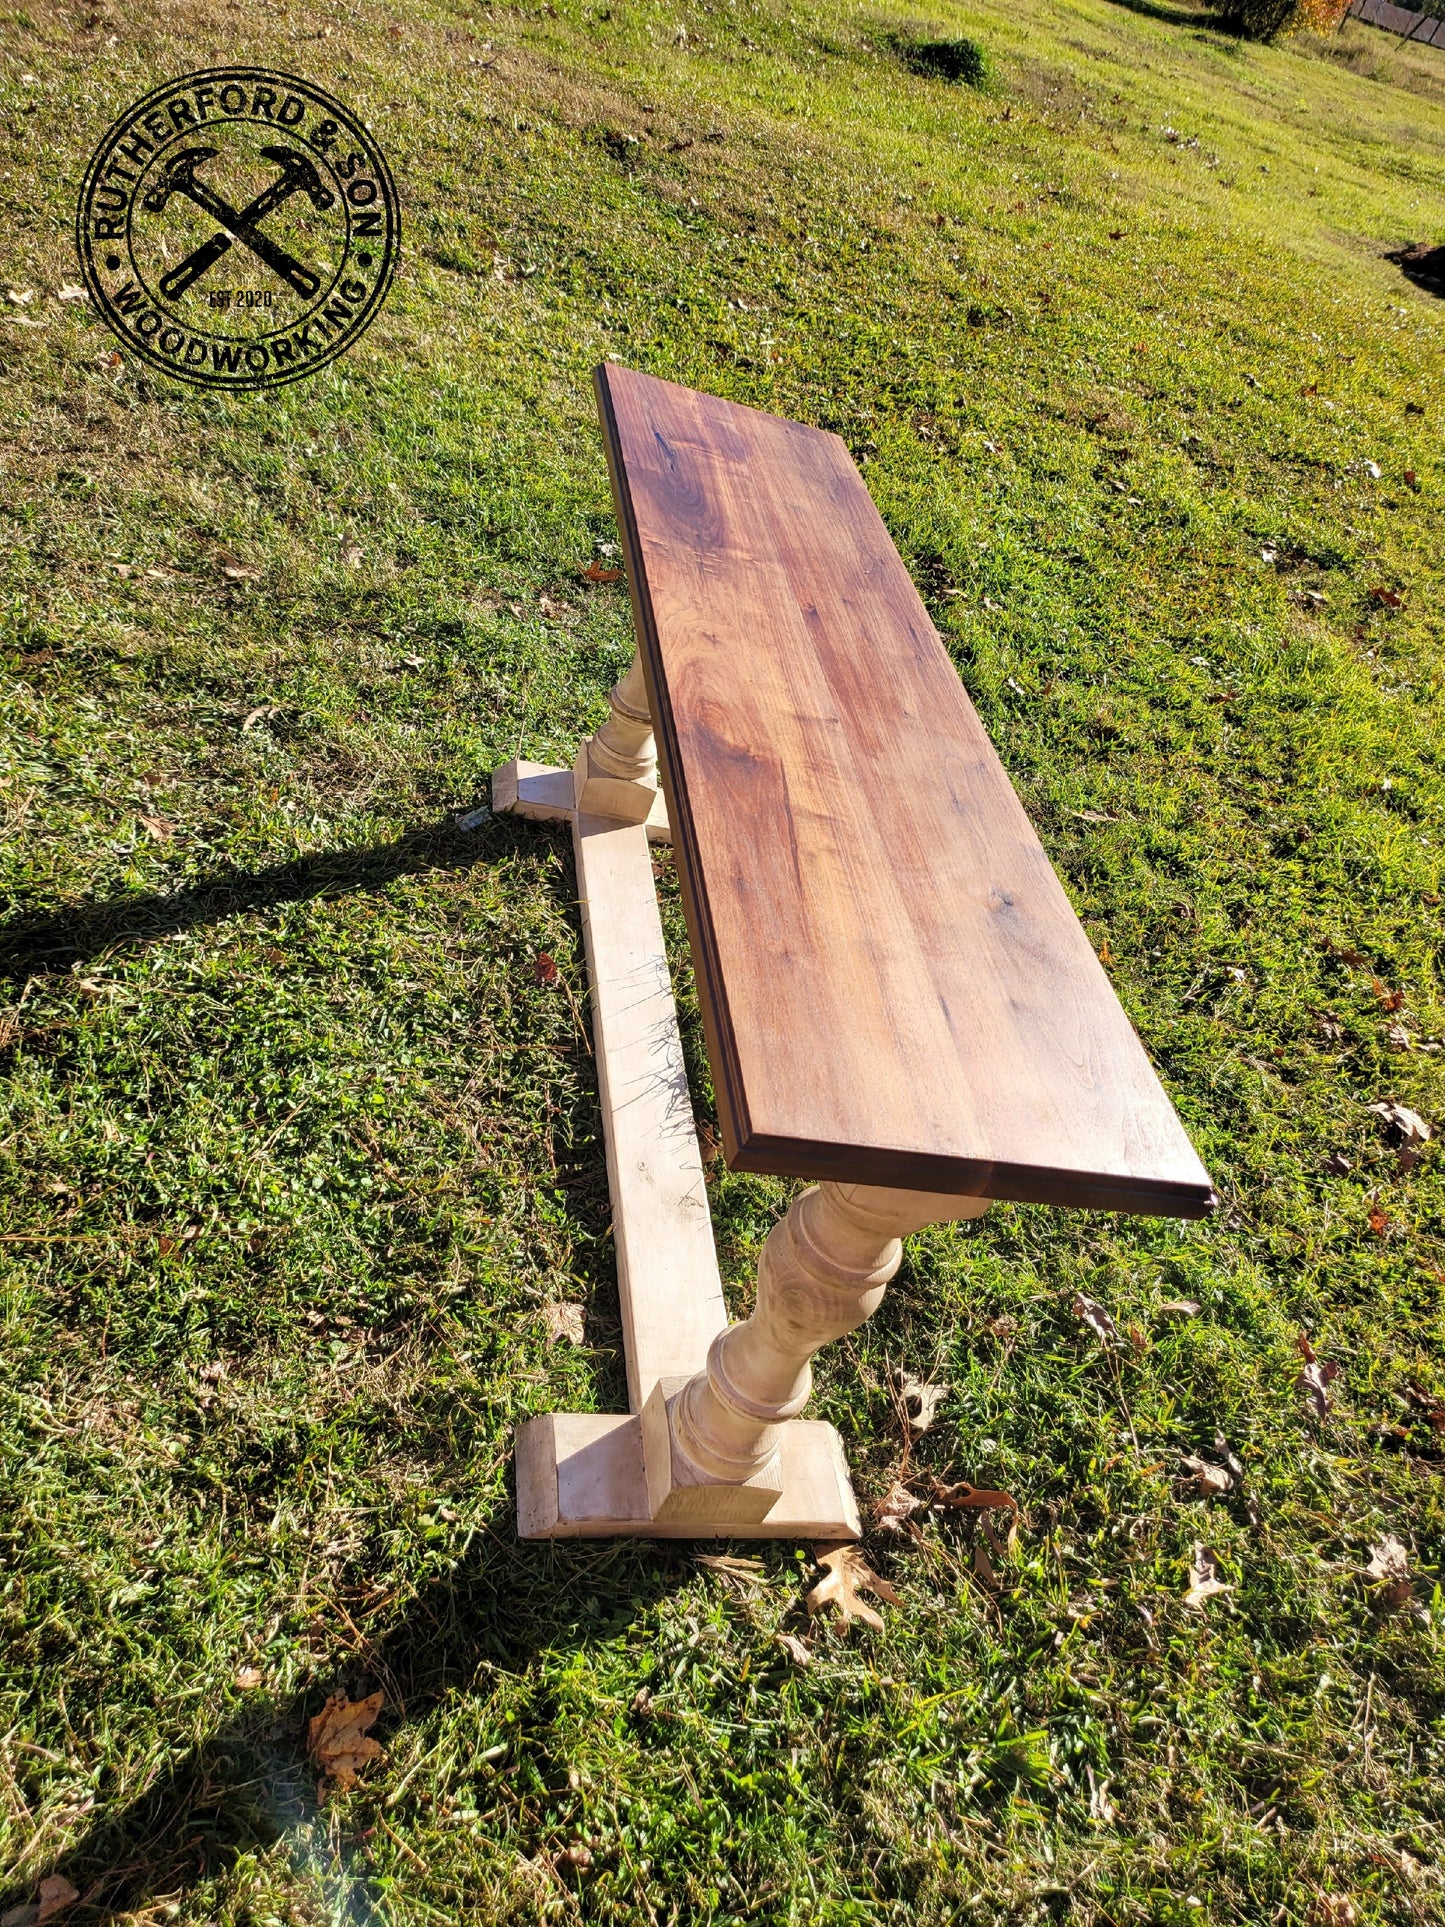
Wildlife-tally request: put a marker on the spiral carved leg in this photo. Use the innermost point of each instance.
(824, 1270)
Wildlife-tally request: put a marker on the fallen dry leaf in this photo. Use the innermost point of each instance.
(56, 1894)
(846, 1575)
(1430, 1405)
(892, 1510)
(1332, 1910)
(240, 572)
(1388, 1560)
(338, 1738)
(1387, 999)
(554, 611)
(1405, 1129)
(545, 969)
(1398, 1038)
(1097, 1319)
(1209, 1479)
(1002, 1545)
(575, 1856)
(642, 1706)
(1387, 598)
(964, 1497)
(67, 291)
(1378, 1220)
(248, 1678)
(1338, 1165)
(983, 1569)
(794, 1648)
(594, 572)
(919, 1399)
(1232, 1463)
(1388, 1574)
(1180, 1308)
(1101, 1807)
(259, 714)
(563, 1321)
(1316, 1377)
(1204, 1579)
(741, 1573)
(158, 828)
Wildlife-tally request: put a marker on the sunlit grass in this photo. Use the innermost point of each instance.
(297, 1147)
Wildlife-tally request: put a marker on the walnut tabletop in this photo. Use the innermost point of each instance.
(895, 988)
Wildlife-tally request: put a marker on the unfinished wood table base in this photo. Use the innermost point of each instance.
(694, 1458)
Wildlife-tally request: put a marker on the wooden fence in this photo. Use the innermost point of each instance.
(1411, 26)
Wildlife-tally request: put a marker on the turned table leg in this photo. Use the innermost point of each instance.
(616, 770)
(713, 1445)
(724, 1450)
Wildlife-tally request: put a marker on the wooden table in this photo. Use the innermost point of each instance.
(898, 998)
(895, 988)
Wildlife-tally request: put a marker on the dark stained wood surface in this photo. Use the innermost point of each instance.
(895, 987)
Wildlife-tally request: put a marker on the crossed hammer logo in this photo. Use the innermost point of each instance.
(297, 176)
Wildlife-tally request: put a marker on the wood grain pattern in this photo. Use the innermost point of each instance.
(895, 988)
(667, 1275)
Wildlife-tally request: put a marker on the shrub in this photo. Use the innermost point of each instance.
(1263, 19)
(1257, 19)
(954, 60)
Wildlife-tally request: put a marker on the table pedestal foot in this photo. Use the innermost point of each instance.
(583, 1475)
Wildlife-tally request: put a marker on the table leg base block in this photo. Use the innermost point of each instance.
(675, 1491)
(581, 1475)
(598, 794)
(549, 795)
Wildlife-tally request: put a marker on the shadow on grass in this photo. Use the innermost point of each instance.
(32, 946)
(250, 1786)
(247, 1787)
(1422, 264)
(1173, 16)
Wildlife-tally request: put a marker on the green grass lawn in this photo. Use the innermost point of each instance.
(297, 1149)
